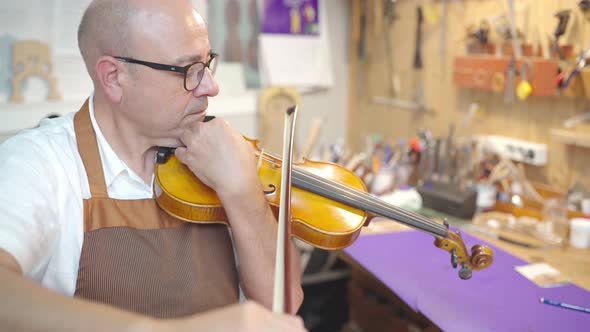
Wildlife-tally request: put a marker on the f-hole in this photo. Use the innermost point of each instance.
(272, 189)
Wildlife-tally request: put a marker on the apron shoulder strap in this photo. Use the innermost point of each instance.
(88, 149)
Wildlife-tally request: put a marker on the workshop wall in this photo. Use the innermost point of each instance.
(532, 119)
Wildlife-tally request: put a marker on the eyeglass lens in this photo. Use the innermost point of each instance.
(195, 73)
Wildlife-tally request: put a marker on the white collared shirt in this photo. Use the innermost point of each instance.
(43, 185)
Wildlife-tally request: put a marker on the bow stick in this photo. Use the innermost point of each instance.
(282, 294)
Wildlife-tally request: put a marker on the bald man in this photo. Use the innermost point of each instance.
(83, 245)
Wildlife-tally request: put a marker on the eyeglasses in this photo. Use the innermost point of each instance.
(193, 73)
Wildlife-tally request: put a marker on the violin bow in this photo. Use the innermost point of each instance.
(282, 293)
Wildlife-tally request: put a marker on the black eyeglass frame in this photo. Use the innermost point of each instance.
(177, 69)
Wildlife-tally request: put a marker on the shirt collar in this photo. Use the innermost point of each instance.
(112, 165)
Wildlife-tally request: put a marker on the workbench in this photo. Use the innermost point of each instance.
(402, 282)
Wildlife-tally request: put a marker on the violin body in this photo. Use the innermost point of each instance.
(315, 219)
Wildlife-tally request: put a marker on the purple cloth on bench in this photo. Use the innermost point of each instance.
(495, 299)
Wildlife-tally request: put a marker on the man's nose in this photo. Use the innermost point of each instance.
(208, 86)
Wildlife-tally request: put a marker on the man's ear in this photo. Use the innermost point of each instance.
(109, 72)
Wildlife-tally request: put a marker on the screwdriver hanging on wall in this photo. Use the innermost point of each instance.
(418, 103)
(563, 18)
(418, 62)
(390, 17)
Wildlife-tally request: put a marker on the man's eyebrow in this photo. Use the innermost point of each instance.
(189, 59)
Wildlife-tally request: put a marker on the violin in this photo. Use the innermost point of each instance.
(329, 205)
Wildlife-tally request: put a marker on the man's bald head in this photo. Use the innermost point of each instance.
(105, 29)
(119, 27)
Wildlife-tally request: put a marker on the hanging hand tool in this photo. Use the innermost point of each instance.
(502, 29)
(390, 18)
(418, 49)
(418, 61)
(362, 50)
(584, 6)
(442, 47)
(563, 18)
(418, 104)
(516, 53)
(517, 50)
(579, 66)
(510, 81)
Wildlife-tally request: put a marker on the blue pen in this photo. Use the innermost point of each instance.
(565, 305)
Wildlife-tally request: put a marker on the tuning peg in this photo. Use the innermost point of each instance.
(454, 259)
(465, 272)
(446, 223)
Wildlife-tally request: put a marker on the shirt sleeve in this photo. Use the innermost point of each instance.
(28, 213)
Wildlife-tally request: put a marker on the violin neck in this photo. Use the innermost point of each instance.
(360, 200)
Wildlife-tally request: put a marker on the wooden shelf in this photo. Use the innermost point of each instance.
(480, 71)
(571, 137)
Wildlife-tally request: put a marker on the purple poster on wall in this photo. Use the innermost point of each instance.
(292, 17)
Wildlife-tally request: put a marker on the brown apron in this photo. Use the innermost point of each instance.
(137, 257)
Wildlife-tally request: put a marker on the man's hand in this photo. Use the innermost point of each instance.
(220, 157)
(247, 317)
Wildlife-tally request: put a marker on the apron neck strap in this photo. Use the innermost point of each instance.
(88, 149)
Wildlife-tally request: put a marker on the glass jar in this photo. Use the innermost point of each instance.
(556, 220)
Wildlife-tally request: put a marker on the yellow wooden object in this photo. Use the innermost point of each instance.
(32, 58)
(273, 102)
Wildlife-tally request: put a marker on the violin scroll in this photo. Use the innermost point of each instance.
(480, 258)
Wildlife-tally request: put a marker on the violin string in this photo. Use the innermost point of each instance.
(354, 192)
(368, 200)
(371, 200)
(387, 210)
